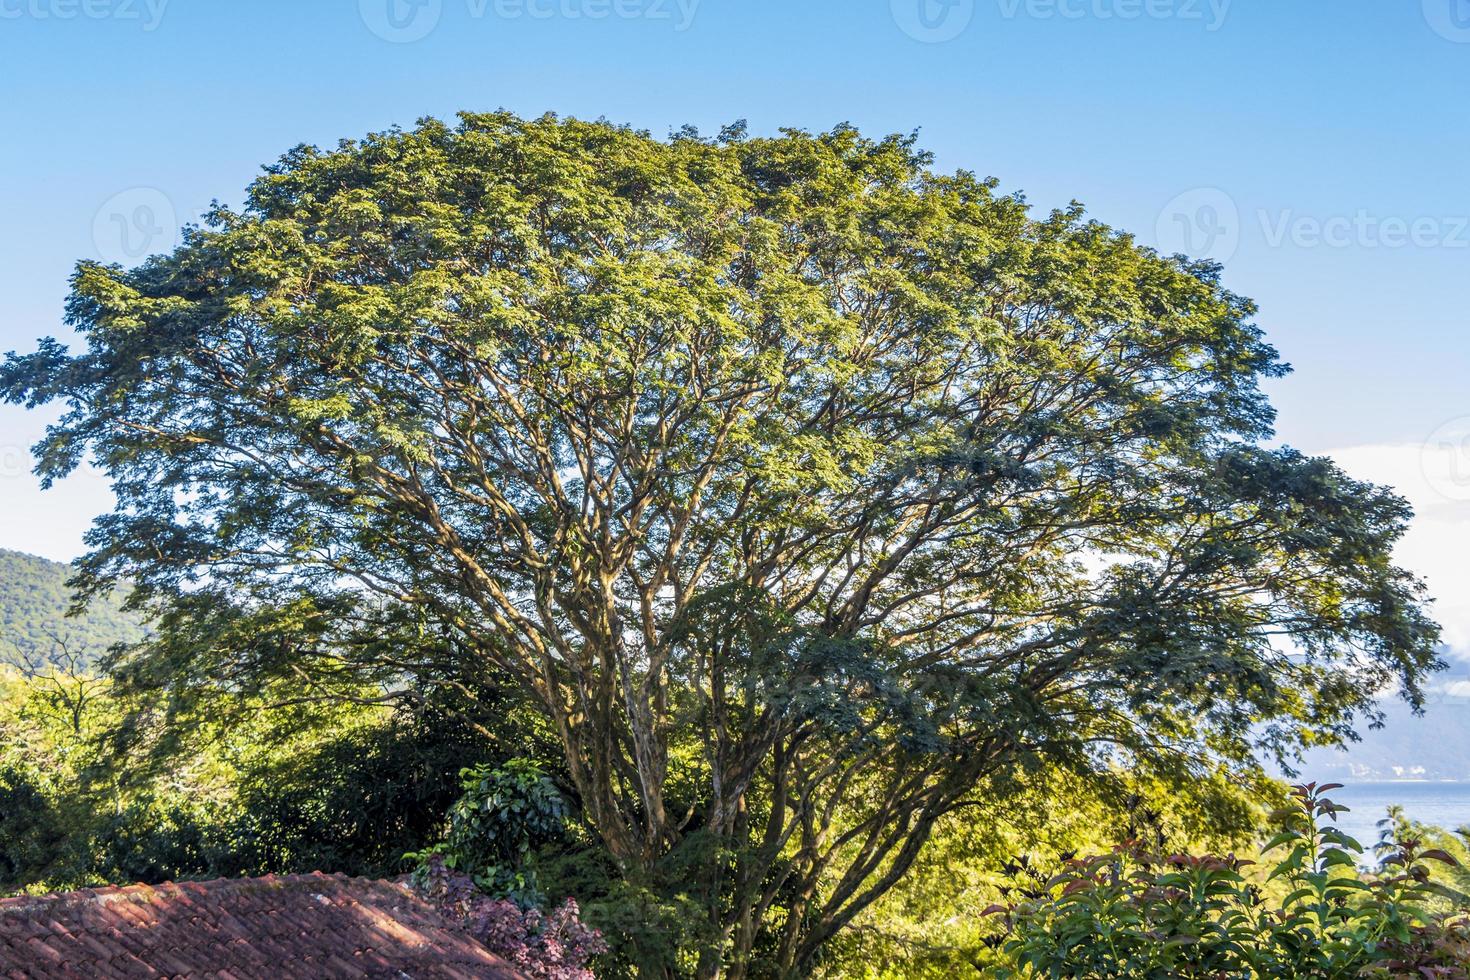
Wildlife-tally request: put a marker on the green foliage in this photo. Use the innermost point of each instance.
(1455, 876)
(932, 925)
(34, 625)
(1131, 914)
(654, 930)
(345, 789)
(505, 815)
(33, 836)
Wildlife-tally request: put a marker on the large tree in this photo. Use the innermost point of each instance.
(798, 486)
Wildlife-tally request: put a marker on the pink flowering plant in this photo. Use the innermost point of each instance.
(483, 873)
(554, 946)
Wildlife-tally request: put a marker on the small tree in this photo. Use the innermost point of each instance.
(795, 485)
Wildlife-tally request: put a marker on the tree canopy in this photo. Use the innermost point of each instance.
(799, 487)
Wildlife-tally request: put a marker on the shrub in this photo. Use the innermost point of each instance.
(555, 946)
(502, 817)
(1309, 912)
(483, 874)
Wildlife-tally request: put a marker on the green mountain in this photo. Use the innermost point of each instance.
(34, 599)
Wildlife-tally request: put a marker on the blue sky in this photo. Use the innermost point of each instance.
(1318, 148)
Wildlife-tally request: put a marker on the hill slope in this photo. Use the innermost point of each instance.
(1433, 747)
(33, 604)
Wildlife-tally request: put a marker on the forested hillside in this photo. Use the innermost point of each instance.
(34, 599)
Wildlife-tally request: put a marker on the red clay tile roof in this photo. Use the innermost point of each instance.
(276, 928)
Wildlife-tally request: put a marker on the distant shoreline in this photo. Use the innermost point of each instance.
(1348, 781)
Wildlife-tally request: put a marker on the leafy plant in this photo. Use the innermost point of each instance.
(930, 927)
(504, 814)
(229, 791)
(1308, 912)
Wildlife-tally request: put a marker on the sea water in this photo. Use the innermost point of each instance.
(1440, 804)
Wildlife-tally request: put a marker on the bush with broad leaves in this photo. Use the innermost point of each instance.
(1309, 913)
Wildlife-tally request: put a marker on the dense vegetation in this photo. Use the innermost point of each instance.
(377, 791)
(785, 507)
(34, 627)
(1002, 892)
(1309, 913)
(338, 789)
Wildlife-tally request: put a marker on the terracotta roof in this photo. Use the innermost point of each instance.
(277, 928)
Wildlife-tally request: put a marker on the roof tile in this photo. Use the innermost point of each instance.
(300, 926)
